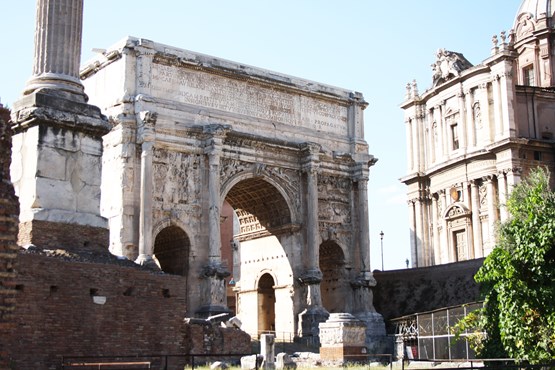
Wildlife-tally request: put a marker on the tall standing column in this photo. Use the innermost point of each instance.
(57, 142)
(59, 25)
(214, 272)
(147, 136)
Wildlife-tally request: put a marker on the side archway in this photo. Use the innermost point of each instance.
(334, 279)
(171, 250)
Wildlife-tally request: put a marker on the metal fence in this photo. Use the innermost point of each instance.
(159, 362)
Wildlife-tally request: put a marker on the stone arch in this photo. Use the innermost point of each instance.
(171, 250)
(241, 177)
(260, 205)
(334, 277)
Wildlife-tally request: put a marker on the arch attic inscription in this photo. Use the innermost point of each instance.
(199, 88)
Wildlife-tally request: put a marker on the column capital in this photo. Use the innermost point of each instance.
(310, 277)
(488, 178)
(216, 130)
(146, 128)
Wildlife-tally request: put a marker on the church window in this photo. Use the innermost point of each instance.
(528, 76)
(455, 136)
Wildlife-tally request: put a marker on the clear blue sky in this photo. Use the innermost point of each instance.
(370, 46)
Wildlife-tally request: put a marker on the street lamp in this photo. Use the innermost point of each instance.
(381, 241)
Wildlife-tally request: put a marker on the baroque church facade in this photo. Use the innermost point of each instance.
(474, 134)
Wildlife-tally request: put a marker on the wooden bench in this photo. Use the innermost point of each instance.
(112, 365)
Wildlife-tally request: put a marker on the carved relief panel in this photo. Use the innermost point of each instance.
(177, 178)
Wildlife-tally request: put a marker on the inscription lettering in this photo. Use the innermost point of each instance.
(240, 97)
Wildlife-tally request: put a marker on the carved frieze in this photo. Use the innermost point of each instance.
(176, 177)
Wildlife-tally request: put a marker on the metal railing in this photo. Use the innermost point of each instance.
(491, 363)
(152, 361)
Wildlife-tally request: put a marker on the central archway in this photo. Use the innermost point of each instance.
(260, 207)
(264, 238)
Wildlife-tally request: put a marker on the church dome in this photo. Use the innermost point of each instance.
(532, 16)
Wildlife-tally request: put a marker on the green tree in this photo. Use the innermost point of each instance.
(518, 278)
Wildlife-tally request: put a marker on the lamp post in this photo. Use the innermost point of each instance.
(381, 242)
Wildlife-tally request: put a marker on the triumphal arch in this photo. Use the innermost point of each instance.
(251, 184)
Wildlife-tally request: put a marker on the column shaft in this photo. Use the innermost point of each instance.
(364, 241)
(57, 53)
(214, 240)
(476, 223)
(145, 213)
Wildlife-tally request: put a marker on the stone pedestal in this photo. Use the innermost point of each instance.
(213, 294)
(267, 343)
(375, 331)
(343, 339)
(56, 171)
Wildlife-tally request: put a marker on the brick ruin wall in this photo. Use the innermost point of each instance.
(143, 314)
(404, 292)
(9, 211)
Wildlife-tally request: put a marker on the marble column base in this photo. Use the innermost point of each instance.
(309, 321)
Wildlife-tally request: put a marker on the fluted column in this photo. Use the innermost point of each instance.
(147, 136)
(59, 25)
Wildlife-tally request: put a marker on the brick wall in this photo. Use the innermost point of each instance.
(9, 211)
(143, 314)
(403, 292)
(53, 235)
